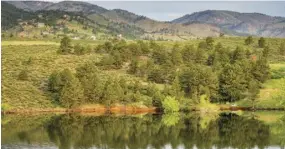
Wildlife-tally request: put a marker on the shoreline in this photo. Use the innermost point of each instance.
(125, 110)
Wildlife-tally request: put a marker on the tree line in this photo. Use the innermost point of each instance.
(186, 71)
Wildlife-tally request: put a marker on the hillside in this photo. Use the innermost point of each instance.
(10, 15)
(119, 21)
(246, 23)
(199, 24)
(30, 5)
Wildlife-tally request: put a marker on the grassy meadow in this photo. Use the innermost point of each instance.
(40, 59)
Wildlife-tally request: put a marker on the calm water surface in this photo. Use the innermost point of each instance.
(150, 131)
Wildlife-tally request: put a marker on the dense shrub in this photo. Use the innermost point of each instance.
(169, 105)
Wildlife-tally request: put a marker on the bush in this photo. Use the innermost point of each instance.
(278, 74)
(169, 105)
(23, 75)
(170, 119)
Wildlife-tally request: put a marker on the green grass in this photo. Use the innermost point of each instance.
(45, 60)
(266, 96)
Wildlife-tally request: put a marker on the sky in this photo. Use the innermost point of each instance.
(169, 10)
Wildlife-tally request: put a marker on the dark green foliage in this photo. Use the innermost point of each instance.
(253, 90)
(261, 42)
(278, 74)
(134, 66)
(10, 14)
(221, 74)
(65, 46)
(160, 55)
(238, 54)
(198, 80)
(23, 75)
(248, 40)
(66, 88)
(232, 83)
(118, 61)
(261, 70)
(91, 82)
(71, 94)
(135, 49)
(55, 82)
(210, 43)
(188, 53)
(203, 45)
(176, 56)
(79, 50)
(282, 49)
(107, 62)
(144, 48)
(112, 92)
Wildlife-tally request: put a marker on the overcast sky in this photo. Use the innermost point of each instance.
(169, 10)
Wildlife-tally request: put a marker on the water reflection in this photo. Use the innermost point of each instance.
(150, 131)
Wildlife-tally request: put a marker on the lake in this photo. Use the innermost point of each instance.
(144, 131)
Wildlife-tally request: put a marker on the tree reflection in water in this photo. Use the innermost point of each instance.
(156, 131)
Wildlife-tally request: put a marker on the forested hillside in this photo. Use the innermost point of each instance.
(121, 22)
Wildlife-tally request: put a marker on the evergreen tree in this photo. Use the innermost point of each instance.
(65, 46)
(160, 56)
(210, 43)
(238, 54)
(188, 54)
(176, 87)
(176, 56)
(282, 48)
(112, 92)
(72, 93)
(118, 61)
(55, 82)
(134, 66)
(135, 49)
(261, 70)
(261, 42)
(91, 82)
(232, 83)
(203, 45)
(197, 80)
(248, 40)
(253, 90)
(144, 48)
(200, 56)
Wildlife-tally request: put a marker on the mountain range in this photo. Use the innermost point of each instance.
(198, 24)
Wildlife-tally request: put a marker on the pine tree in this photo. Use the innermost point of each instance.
(176, 87)
(210, 43)
(65, 46)
(232, 83)
(134, 66)
(176, 56)
(253, 90)
(188, 53)
(261, 42)
(238, 54)
(112, 92)
(248, 40)
(261, 70)
(118, 61)
(282, 48)
(72, 93)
